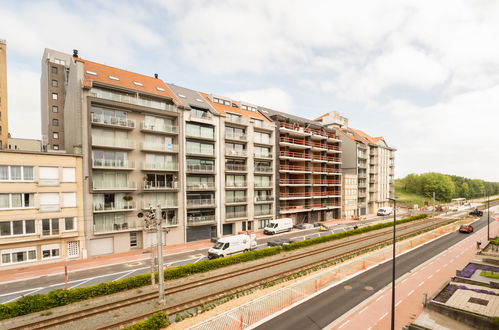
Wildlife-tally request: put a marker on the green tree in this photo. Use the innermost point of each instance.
(465, 190)
(441, 184)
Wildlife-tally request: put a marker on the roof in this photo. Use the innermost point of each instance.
(274, 113)
(223, 109)
(95, 72)
(365, 136)
(353, 137)
(191, 98)
(322, 116)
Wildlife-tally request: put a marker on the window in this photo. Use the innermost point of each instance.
(234, 133)
(17, 227)
(262, 181)
(55, 109)
(69, 199)
(59, 61)
(73, 249)
(19, 255)
(260, 137)
(50, 227)
(138, 83)
(163, 199)
(198, 130)
(263, 209)
(235, 196)
(250, 225)
(68, 174)
(262, 152)
(92, 73)
(263, 223)
(114, 78)
(55, 135)
(248, 107)
(49, 202)
(200, 113)
(55, 96)
(110, 222)
(19, 200)
(54, 70)
(233, 117)
(50, 251)
(160, 89)
(235, 180)
(220, 101)
(133, 239)
(235, 211)
(200, 148)
(48, 176)
(109, 158)
(55, 122)
(55, 83)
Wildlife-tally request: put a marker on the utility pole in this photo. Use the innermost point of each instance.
(434, 207)
(160, 256)
(488, 217)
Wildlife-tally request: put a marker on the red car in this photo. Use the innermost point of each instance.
(466, 229)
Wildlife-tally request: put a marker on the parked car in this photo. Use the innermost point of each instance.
(279, 242)
(304, 226)
(278, 226)
(231, 245)
(466, 229)
(476, 212)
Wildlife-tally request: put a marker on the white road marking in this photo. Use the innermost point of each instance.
(365, 308)
(438, 270)
(398, 303)
(430, 276)
(28, 290)
(341, 326)
(379, 298)
(383, 316)
(82, 282)
(405, 279)
(412, 291)
(124, 275)
(420, 284)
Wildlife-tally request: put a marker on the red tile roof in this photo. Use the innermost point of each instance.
(222, 109)
(147, 84)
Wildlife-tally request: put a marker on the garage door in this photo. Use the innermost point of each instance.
(101, 246)
(198, 233)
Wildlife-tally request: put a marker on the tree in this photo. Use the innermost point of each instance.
(437, 183)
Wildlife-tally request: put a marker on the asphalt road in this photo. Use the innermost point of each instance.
(81, 278)
(323, 309)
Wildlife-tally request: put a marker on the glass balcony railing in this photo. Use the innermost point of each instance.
(145, 126)
(114, 207)
(201, 168)
(160, 166)
(200, 185)
(237, 199)
(200, 219)
(132, 99)
(158, 185)
(125, 185)
(200, 202)
(113, 163)
(116, 226)
(159, 147)
(111, 121)
(234, 215)
(100, 141)
(165, 203)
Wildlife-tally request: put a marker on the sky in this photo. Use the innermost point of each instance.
(423, 74)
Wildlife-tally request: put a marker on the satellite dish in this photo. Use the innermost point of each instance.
(140, 215)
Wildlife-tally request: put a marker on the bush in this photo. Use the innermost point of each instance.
(154, 322)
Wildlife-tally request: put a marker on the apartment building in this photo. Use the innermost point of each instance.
(370, 159)
(41, 208)
(4, 123)
(309, 174)
(55, 71)
(349, 196)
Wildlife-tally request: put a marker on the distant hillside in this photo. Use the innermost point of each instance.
(419, 188)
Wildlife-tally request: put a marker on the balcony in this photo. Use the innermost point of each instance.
(295, 182)
(201, 152)
(205, 202)
(237, 120)
(319, 193)
(106, 121)
(201, 186)
(99, 141)
(166, 203)
(263, 185)
(236, 137)
(318, 145)
(159, 147)
(114, 186)
(234, 200)
(155, 128)
(236, 184)
(170, 222)
(101, 227)
(294, 143)
(264, 169)
(159, 167)
(132, 99)
(293, 129)
(295, 195)
(262, 155)
(333, 148)
(294, 155)
(294, 208)
(235, 153)
(263, 212)
(333, 193)
(260, 140)
(198, 168)
(333, 136)
(160, 185)
(114, 164)
(316, 133)
(201, 117)
(333, 170)
(295, 168)
(322, 170)
(262, 199)
(320, 158)
(115, 207)
(263, 125)
(334, 159)
(49, 207)
(236, 168)
(200, 220)
(235, 215)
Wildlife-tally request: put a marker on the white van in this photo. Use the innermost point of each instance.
(231, 245)
(384, 211)
(278, 226)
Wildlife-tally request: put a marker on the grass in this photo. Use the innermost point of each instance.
(404, 197)
(490, 275)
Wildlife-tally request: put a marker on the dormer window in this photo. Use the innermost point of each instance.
(138, 84)
(248, 107)
(160, 89)
(182, 96)
(221, 101)
(199, 100)
(91, 73)
(114, 78)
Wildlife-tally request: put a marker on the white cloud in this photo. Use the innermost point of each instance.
(273, 98)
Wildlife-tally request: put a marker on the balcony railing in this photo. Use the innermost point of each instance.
(237, 120)
(158, 128)
(284, 139)
(132, 99)
(319, 157)
(115, 207)
(165, 203)
(158, 185)
(264, 184)
(333, 170)
(332, 136)
(264, 125)
(235, 152)
(160, 167)
(296, 194)
(333, 159)
(294, 154)
(236, 167)
(201, 168)
(263, 169)
(296, 181)
(100, 141)
(232, 136)
(298, 168)
(264, 198)
(262, 155)
(49, 207)
(236, 184)
(333, 147)
(241, 199)
(200, 219)
(319, 169)
(234, 215)
(101, 185)
(207, 152)
(111, 121)
(315, 131)
(201, 115)
(200, 202)
(318, 145)
(333, 192)
(113, 163)
(294, 127)
(106, 226)
(201, 186)
(260, 212)
(159, 147)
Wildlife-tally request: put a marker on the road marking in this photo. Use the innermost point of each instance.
(398, 303)
(83, 282)
(124, 275)
(445, 265)
(198, 259)
(421, 283)
(365, 308)
(404, 280)
(341, 326)
(438, 270)
(412, 291)
(379, 298)
(383, 316)
(430, 276)
(27, 290)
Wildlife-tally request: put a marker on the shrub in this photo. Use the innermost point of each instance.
(154, 322)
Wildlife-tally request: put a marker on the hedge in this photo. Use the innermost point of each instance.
(60, 297)
(155, 322)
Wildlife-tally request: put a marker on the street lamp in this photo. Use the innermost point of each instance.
(488, 217)
(152, 222)
(393, 261)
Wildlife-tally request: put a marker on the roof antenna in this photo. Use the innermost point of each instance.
(75, 52)
(156, 75)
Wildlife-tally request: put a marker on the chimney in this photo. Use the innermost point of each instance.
(75, 52)
(156, 75)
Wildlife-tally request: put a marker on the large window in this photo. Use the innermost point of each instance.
(16, 173)
(235, 211)
(109, 158)
(235, 196)
(110, 137)
(163, 199)
(263, 209)
(110, 180)
(200, 148)
(260, 137)
(158, 142)
(197, 130)
(263, 195)
(262, 152)
(70, 224)
(14, 201)
(19, 255)
(195, 181)
(110, 222)
(234, 133)
(262, 181)
(235, 180)
(17, 228)
(158, 123)
(50, 251)
(160, 161)
(50, 227)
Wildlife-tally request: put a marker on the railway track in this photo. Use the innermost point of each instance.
(334, 250)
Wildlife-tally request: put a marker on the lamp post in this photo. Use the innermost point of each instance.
(488, 217)
(393, 261)
(152, 222)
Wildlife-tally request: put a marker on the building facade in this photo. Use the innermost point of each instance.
(41, 208)
(4, 122)
(349, 195)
